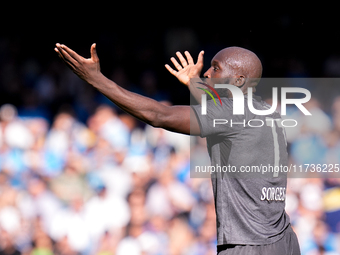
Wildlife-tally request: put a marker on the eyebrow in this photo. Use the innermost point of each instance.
(215, 62)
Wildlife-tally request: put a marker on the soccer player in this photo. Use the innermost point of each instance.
(251, 218)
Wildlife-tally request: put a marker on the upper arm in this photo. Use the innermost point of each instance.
(180, 119)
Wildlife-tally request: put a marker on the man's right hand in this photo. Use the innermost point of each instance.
(86, 69)
(187, 69)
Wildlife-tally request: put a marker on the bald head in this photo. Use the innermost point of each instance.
(236, 63)
(241, 61)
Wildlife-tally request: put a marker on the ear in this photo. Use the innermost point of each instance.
(240, 81)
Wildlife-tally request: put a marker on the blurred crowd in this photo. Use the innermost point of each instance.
(312, 202)
(107, 187)
(112, 186)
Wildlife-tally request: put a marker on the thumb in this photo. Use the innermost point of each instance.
(94, 55)
(200, 58)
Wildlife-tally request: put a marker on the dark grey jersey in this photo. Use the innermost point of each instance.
(250, 196)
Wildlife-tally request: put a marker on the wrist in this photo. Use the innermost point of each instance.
(189, 81)
(96, 80)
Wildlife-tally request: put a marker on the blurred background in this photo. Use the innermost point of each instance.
(79, 176)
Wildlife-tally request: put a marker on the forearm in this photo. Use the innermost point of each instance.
(195, 92)
(173, 118)
(143, 108)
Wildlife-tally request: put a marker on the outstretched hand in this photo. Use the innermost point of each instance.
(187, 69)
(88, 69)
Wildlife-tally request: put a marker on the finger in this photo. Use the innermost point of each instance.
(189, 58)
(94, 55)
(59, 52)
(178, 66)
(181, 58)
(200, 58)
(71, 53)
(172, 71)
(66, 57)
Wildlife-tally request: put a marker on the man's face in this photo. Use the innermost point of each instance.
(222, 73)
(218, 68)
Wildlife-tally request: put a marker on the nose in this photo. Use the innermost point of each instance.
(207, 74)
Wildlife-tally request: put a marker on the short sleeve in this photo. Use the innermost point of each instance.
(211, 123)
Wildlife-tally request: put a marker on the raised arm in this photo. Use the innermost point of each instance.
(179, 119)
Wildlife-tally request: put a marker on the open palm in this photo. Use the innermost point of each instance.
(187, 69)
